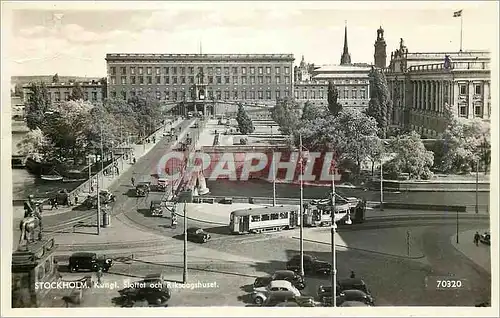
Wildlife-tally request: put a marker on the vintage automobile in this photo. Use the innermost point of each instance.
(287, 299)
(162, 184)
(290, 276)
(153, 289)
(196, 234)
(312, 265)
(343, 284)
(261, 294)
(88, 261)
(105, 197)
(485, 238)
(155, 208)
(142, 189)
(351, 295)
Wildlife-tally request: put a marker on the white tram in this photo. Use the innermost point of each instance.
(258, 220)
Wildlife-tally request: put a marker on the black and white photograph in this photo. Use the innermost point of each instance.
(203, 158)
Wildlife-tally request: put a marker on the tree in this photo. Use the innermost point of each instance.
(77, 93)
(37, 105)
(465, 141)
(286, 114)
(333, 94)
(55, 78)
(312, 112)
(380, 105)
(18, 90)
(245, 124)
(35, 145)
(410, 156)
(148, 113)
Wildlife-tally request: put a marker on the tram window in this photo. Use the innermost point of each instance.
(274, 216)
(326, 213)
(265, 217)
(284, 215)
(255, 218)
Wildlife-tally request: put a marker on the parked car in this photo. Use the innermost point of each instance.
(107, 196)
(354, 303)
(162, 184)
(261, 294)
(485, 238)
(198, 235)
(142, 189)
(155, 208)
(287, 275)
(287, 299)
(311, 265)
(153, 289)
(343, 284)
(350, 295)
(88, 261)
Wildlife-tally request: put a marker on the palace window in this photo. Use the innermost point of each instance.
(463, 110)
(183, 79)
(278, 80)
(244, 80)
(268, 94)
(268, 80)
(132, 70)
(157, 70)
(210, 70)
(252, 80)
(261, 70)
(217, 70)
(113, 80)
(297, 94)
(261, 80)
(477, 89)
(346, 94)
(287, 80)
(158, 95)
(124, 80)
(252, 70)
(210, 80)
(321, 94)
(261, 94)
(165, 70)
(150, 80)
(141, 80)
(123, 70)
(112, 70)
(218, 95)
(167, 79)
(235, 80)
(149, 71)
(235, 94)
(244, 70)
(183, 70)
(226, 79)
(174, 70)
(94, 96)
(244, 95)
(167, 95)
(158, 79)
(313, 94)
(141, 70)
(226, 70)
(462, 89)
(235, 70)
(277, 70)
(354, 94)
(219, 80)
(174, 95)
(268, 70)
(191, 79)
(226, 95)
(278, 94)
(304, 94)
(478, 110)
(132, 79)
(191, 70)
(287, 70)
(363, 94)
(124, 95)
(174, 79)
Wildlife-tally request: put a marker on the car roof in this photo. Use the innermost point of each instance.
(280, 283)
(351, 281)
(354, 292)
(83, 254)
(353, 303)
(284, 272)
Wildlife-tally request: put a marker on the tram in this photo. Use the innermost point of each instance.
(319, 212)
(258, 220)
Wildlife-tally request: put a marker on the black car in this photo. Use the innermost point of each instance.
(196, 234)
(485, 238)
(149, 290)
(288, 275)
(343, 284)
(142, 189)
(311, 265)
(89, 261)
(350, 296)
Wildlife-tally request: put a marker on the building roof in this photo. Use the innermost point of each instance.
(149, 56)
(340, 75)
(341, 68)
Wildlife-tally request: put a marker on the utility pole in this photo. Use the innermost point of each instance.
(477, 186)
(334, 259)
(273, 163)
(301, 207)
(457, 226)
(185, 272)
(90, 175)
(381, 186)
(408, 242)
(97, 188)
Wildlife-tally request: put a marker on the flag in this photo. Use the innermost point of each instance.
(457, 14)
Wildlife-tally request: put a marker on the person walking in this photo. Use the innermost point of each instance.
(133, 181)
(476, 238)
(353, 275)
(99, 275)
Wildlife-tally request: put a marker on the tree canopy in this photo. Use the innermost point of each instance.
(55, 78)
(333, 94)
(380, 105)
(77, 92)
(286, 114)
(245, 124)
(37, 105)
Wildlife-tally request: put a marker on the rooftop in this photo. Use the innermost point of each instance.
(83, 84)
(341, 68)
(111, 56)
(341, 75)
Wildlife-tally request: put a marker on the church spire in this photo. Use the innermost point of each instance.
(346, 57)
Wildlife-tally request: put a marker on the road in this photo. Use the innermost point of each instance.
(392, 280)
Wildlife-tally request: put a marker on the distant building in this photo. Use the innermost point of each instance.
(192, 78)
(345, 59)
(422, 83)
(92, 91)
(313, 91)
(17, 107)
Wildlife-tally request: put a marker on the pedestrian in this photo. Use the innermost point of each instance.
(133, 181)
(99, 275)
(154, 139)
(76, 199)
(353, 275)
(133, 160)
(476, 238)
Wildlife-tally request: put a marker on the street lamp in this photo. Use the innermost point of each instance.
(334, 258)
(477, 185)
(274, 170)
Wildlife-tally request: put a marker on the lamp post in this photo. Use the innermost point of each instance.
(301, 207)
(477, 185)
(97, 188)
(381, 185)
(274, 171)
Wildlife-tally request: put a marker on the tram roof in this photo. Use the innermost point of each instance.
(267, 209)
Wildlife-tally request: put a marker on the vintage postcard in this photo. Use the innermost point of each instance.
(220, 158)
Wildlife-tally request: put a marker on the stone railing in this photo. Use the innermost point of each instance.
(453, 66)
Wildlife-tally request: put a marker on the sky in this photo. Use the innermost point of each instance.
(73, 38)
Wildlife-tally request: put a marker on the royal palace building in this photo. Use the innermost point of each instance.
(422, 85)
(261, 78)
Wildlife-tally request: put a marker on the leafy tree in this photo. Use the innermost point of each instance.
(55, 78)
(37, 105)
(35, 144)
(286, 114)
(104, 128)
(465, 141)
(148, 113)
(77, 92)
(410, 156)
(245, 124)
(18, 90)
(312, 112)
(333, 94)
(380, 105)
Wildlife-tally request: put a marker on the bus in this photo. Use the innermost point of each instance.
(265, 219)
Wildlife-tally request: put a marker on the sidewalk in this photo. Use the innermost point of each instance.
(480, 255)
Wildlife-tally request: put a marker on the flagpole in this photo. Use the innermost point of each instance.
(461, 31)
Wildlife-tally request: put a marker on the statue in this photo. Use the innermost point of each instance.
(31, 222)
(401, 44)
